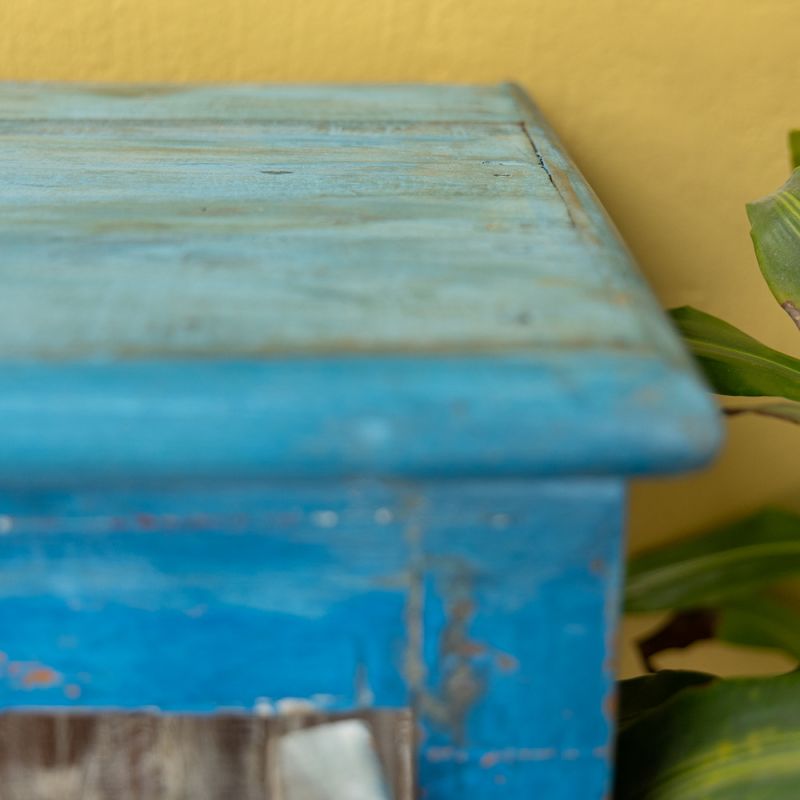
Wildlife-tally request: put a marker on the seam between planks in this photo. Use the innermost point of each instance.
(543, 165)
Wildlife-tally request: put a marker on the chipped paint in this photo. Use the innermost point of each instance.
(517, 755)
(506, 662)
(395, 355)
(325, 518)
(448, 705)
(29, 675)
(436, 609)
(461, 684)
(428, 247)
(40, 677)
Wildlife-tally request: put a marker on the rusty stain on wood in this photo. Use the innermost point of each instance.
(448, 705)
(460, 686)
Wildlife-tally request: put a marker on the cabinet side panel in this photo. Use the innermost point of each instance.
(194, 600)
(487, 607)
(518, 592)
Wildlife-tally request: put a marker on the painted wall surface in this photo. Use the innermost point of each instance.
(676, 110)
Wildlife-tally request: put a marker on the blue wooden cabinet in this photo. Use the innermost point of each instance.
(325, 393)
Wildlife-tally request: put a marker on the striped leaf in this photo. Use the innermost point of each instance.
(794, 148)
(725, 563)
(735, 363)
(736, 739)
(775, 229)
(761, 621)
(638, 696)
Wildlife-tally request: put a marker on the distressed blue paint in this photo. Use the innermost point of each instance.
(287, 376)
(542, 690)
(243, 102)
(193, 600)
(352, 593)
(390, 257)
(574, 412)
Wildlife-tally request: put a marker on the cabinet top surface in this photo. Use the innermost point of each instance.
(213, 225)
(225, 222)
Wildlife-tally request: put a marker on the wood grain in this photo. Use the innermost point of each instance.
(236, 102)
(150, 224)
(257, 281)
(139, 756)
(318, 393)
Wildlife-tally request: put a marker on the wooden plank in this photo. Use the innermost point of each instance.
(143, 240)
(394, 254)
(236, 102)
(139, 756)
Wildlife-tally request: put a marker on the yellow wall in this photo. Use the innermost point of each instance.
(676, 110)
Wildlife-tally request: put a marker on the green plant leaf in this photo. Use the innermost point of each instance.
(794, 148)
(641, 695)
(725, 563)
(736, 739)
(788, 412)
(761, 621)
(775, 230)
(735, 363)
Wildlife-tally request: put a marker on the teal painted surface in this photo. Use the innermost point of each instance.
(577, 413)
(464, 600)
(287, 376)
(237, 102)
(284, 223)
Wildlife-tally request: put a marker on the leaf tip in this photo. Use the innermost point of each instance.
(794, 148)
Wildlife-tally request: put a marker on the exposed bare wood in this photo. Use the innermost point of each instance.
(125, 756)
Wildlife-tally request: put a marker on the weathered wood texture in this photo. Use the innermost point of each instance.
(488, 607)
(417, 259)
(287, 376)
(262, 103)
(158, 238)
(138, 756)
